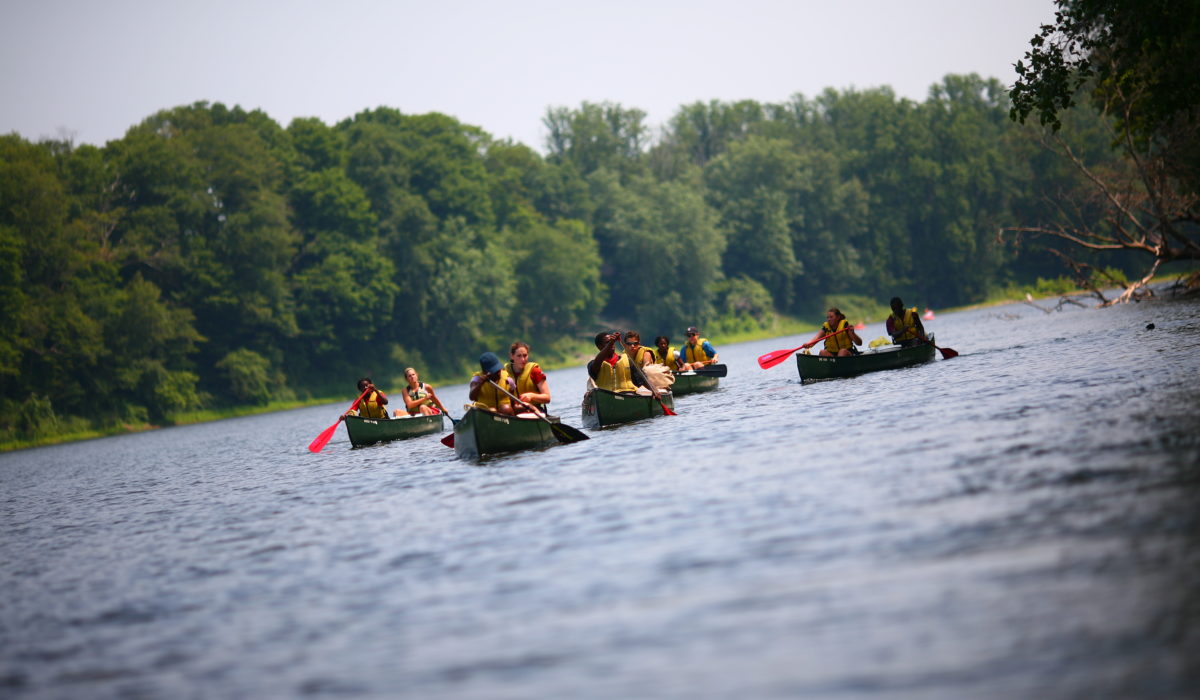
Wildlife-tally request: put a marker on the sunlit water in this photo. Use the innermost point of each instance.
(1021, 521)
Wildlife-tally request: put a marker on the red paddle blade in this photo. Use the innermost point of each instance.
(948, 353)
(323, 439)
(667, 411)
(448, 441)
(773, 358)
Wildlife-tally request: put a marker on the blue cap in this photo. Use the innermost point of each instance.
(490, 363)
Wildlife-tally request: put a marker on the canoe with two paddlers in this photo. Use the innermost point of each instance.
(483, 432)
(693, 383)
(369, 431)
(815, 366)
(699, 379)
(602, 407)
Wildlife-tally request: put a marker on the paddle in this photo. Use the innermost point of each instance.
(448, 441)
(646, 382)
(564, 433)
(773, 358)
(326, 434)
(712, 370)
(947, 353)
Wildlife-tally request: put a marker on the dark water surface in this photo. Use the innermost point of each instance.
(1022, 521)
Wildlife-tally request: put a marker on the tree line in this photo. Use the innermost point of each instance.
(212, 257)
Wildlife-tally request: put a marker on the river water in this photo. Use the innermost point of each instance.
(1020, 521)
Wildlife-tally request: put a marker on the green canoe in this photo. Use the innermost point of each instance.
(814, 366)
(602, 407)
(483, 433)
(368, 431)
(692, 383)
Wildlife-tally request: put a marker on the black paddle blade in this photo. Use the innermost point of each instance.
(566, 434)
(712, 370)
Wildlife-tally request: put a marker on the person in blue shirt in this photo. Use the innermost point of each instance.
(697, 352)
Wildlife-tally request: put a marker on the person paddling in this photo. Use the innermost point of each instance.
(638, 354)
(665, 354)
(484, 394)
(904, 326)
(374, 402)
(839, 345)
(419, 398)
(532, 386)
(697, 352)
(609, 369)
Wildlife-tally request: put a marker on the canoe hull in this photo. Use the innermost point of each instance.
(814, 367)
(686, 383)
(482, 433)
(369, 431)
(602, 408)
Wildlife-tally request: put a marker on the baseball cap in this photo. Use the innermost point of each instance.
(489, 363)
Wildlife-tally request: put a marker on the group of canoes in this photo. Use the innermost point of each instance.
(509, 402)
(627, 381)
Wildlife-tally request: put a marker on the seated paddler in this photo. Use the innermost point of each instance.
(419, 398)
(666, 354)
(532, 385)
(839, 335)
(904, 325)
(373, 403)
(638, 354)
(485, 390)
(609, 369)
(697, 351)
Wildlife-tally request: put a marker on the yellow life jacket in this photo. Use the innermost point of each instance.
(906, 326)
(370, 407)
(695, 353)
(615, 378)
(489, 396)
(525, 379)
(419, 394)
(670, 359)
(839, 341)
(641, 358)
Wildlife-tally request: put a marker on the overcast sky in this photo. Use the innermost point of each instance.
(89, 70)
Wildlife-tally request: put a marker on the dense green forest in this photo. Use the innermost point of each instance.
(212, 257)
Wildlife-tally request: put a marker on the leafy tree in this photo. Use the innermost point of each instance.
(150, 346)
(248, 376)
(705, 131)
(318, 146)
(597, 136)
(662, 247)
(558, 279)
(1137, 60)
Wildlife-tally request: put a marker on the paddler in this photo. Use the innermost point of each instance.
(610, 369)
(839, 345)
(484, 394)
(419, 398)
(697, 352)
(665, 354)
(905, 326)
(532, 386)
(373, 403)
(638, 354)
